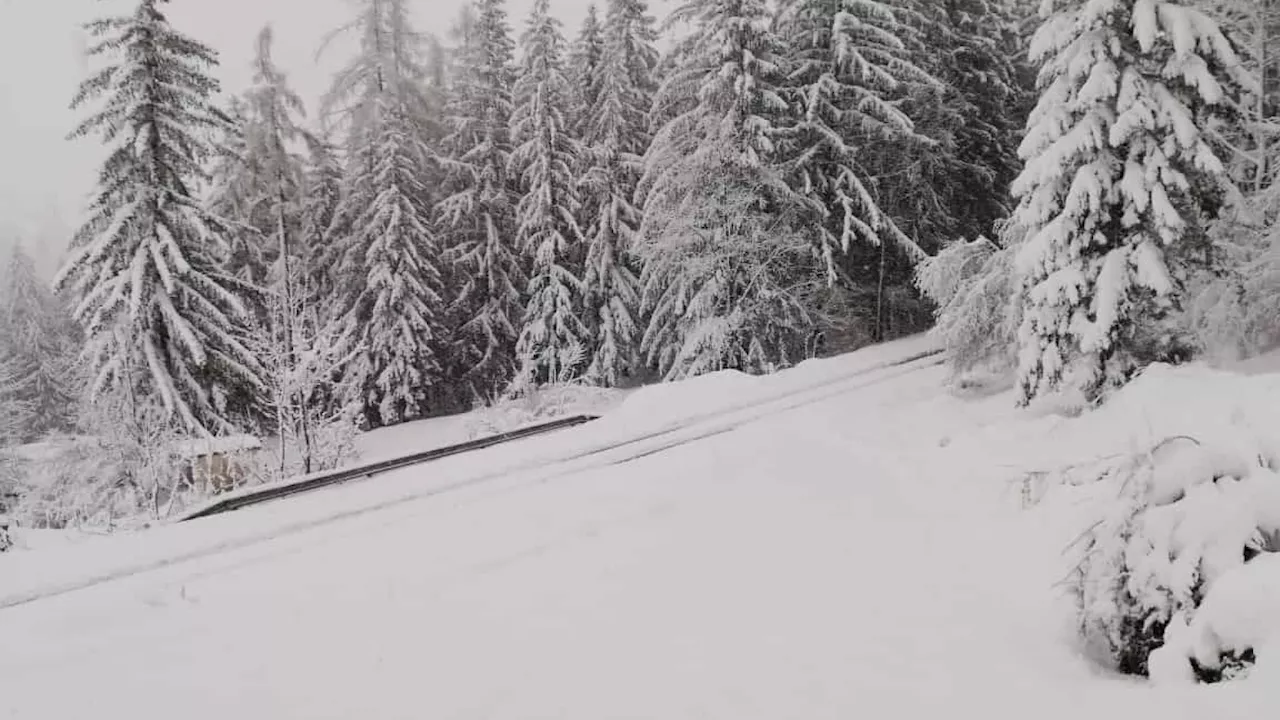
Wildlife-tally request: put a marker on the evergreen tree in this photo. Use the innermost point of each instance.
(437, 88)
(40, 346)
(727, 262)
(322, 191)
(233, 184)
(584, 72)
(957, 184)
(480, 209)
(1118, 174)
(617, 138)
(848, 67)
(162, 319)
(1254, 28)
(388, 278)
(13, 415)
(553, 339)
(272, 131)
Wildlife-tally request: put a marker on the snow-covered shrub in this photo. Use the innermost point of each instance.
(531, 405)
(1184, 515)
(127, 468)
(335, 444)
(975, 290)
(330, 444)
(103, 483)
(1235, 631)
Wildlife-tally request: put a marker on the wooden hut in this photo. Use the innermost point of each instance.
(218, 464)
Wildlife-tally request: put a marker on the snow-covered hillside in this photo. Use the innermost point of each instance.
(857, 549)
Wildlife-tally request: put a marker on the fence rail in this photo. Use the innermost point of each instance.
(266, 493)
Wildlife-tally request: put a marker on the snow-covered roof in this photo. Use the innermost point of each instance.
(216, 446)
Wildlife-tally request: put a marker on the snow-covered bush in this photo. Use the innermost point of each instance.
(531, 405)
(125, 469)
(330, 444)
(98, 483)
(975, 290)
(1176, 518)
(1235, 631)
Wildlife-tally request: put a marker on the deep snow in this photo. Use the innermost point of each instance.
(862, 555)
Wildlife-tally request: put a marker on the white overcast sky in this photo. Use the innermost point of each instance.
(44, 179)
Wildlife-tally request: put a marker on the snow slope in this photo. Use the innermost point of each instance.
(860, 555)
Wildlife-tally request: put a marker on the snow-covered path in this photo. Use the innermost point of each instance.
(824, 562)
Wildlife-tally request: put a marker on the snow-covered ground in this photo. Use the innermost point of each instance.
(794, 550)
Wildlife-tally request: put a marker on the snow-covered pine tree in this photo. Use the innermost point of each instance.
(726, 259)
(321, 191)
(389, 289)
(974, 115)
(437, 87)
(233, 187)
(480, 209)
(13, 411)
(1118, 171)
(583, 72)
(553, 339)
(273, 131)
(617, 138)
(40, 342)
(161, 318)
(1254, 28)
(847, 68)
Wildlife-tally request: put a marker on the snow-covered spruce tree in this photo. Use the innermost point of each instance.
(388, 285)
(847, 67)
(974, 116)
(14, 411)
(160, 317)
(233, 186)
(1118, 171)
(272, 131)
(436, 85)
(321, 193)
(726, 262)
(479, 212)
(1254, 28)
(617, 139)
(583, 72)
(553, 339)
(41, 341)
